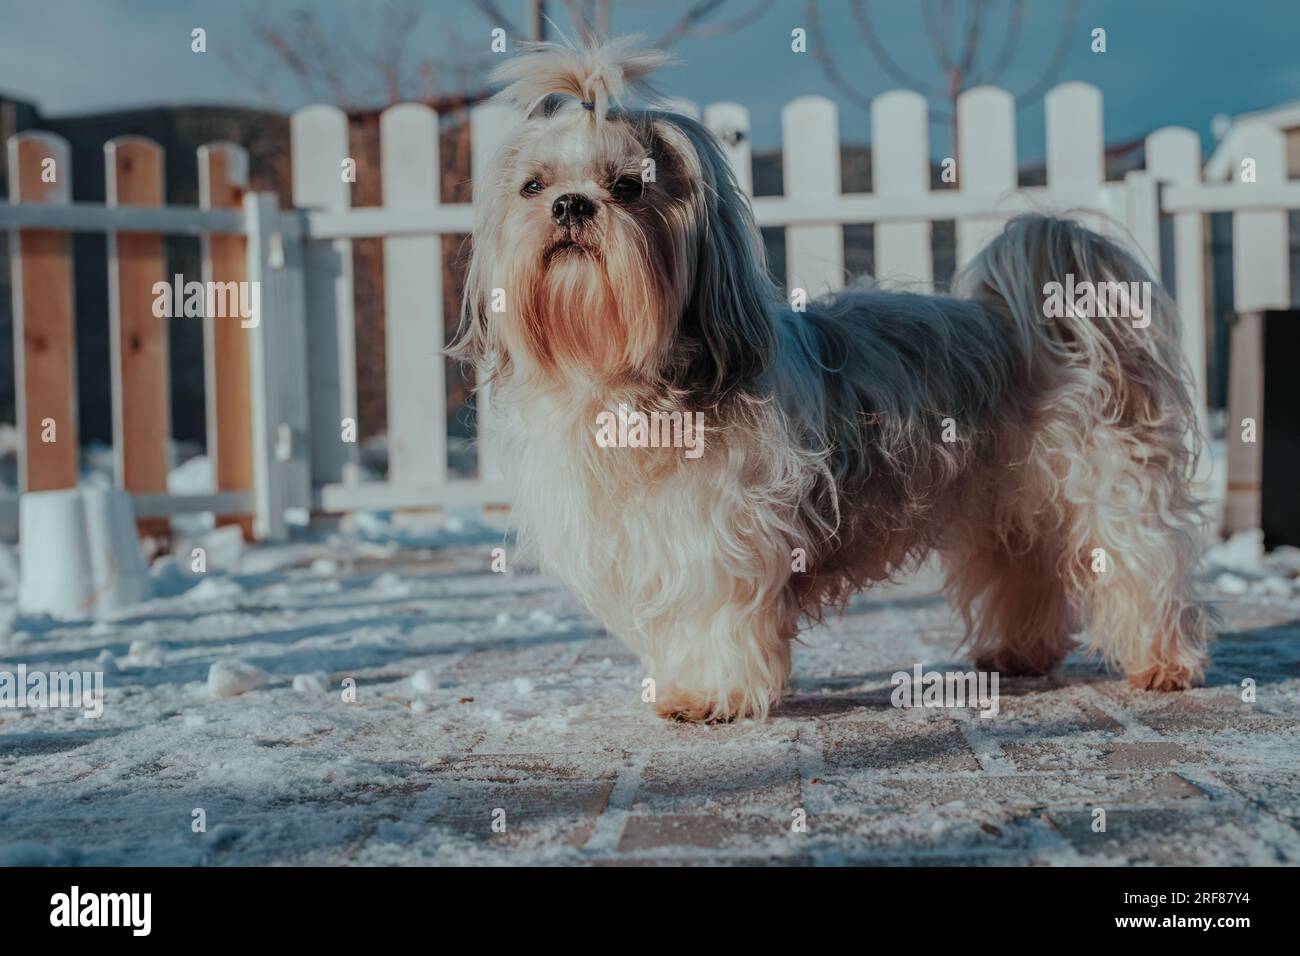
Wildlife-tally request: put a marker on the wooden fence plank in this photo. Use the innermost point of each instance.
(490, 125)
(319, 136)
(1260, 281)
(811, 143)
(45, 351)
(986, 160)
(900, 166)
(223, 182)
(730, 123)
(1076, 158)
(282, 461)
(417, 382)
(140, 376)
(1174, 156)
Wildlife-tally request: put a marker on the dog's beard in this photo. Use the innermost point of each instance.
(592, 304)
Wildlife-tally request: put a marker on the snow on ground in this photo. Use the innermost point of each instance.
(484, 698)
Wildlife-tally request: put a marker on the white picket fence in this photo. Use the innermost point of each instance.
(301, 364)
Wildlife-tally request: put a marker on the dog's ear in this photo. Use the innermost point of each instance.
(730, 310)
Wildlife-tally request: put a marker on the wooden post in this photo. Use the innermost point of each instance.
(900, 166)
(45, 351)
(489, 126)
(223, 181)
(1261, 281)
(319, 137)
(1174, 156)
(141, 381)
(282, 459)
(811, 144)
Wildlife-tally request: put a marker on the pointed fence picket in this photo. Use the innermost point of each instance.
(223, 182)
(811, 137)
(417, 382)
(278, 392)
(1260, 281)
(141, 380)
(900, 166)
(319, 139)
(986, 162)
(729, 122)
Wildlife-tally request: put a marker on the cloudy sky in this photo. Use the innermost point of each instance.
(1168, 62)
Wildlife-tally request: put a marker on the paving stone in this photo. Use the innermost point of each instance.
(1075, 789)
(728, 781)
(1167, 838)
(1276, 793)
(643, 832)
(553, 731)
(901, 740)
(1207, 710)
(511, 768)
(558, 813)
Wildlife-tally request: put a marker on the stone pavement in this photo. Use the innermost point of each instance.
(494, 723)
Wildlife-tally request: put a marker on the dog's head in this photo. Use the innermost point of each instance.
(613, 246)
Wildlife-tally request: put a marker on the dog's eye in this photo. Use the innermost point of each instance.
(626, 188)
(532, 188)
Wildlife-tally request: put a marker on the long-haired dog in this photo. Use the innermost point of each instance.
(1046, 459)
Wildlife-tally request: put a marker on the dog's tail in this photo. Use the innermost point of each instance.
(1116, 437)
(1084, 307)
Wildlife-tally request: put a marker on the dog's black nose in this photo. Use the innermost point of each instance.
(572, 209)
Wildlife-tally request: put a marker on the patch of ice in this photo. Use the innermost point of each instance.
(1272, 587)
(215, 589)
(143, 654)
(390, 583)
(222, 548)
(424, 681)
(1243, 552)
(8, 568)
(310, 683)
(230, 678)
(1285, 558)
(1230, 583)
(170, 578)
(193, 477)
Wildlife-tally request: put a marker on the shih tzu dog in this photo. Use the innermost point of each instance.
(616, 265)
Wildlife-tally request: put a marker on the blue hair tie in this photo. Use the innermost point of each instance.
(589, 106)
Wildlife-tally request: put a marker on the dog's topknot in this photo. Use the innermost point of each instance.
(595, 74)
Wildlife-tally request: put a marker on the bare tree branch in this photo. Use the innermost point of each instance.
(1057, 62)
(937, 28)
(974, 28)
(881, 56)
(493, 13)
(1015, 16)
(817, 47)
(695, 14)
(738, 22)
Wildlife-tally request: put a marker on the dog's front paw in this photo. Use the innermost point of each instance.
(1164, 677)
(704, 708)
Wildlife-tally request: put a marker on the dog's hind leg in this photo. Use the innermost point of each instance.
(1014, 604)
(1133, 528)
